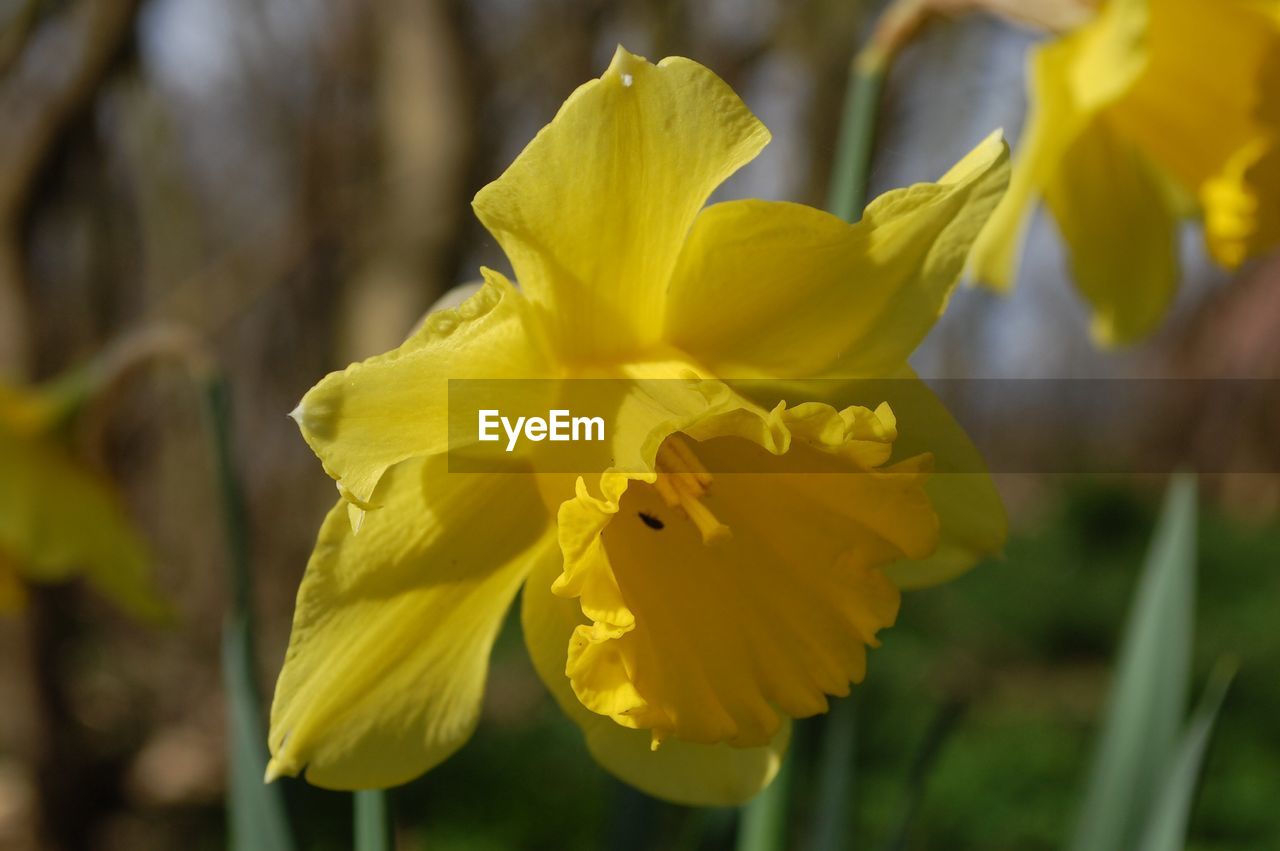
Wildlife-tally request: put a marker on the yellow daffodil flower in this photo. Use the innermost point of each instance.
(1152, 111)
(57, 517)
(679, 613)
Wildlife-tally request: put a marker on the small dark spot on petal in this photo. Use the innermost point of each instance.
(651, 521)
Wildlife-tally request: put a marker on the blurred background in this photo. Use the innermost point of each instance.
(291, 179)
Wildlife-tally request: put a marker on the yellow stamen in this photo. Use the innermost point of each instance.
(666, 490)
(690, 461)
(709, 527)
(682, 482)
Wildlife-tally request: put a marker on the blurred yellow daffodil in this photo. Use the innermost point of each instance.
(1153, 111)
(679, 614)
(58, 518)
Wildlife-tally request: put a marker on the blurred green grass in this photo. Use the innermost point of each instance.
(1024, 644)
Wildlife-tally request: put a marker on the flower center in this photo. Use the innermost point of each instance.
(682, 482)
(709, 636)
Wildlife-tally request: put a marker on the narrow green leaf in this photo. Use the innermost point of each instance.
(373, 821)
(1149, 691)
(256, 809)
(1166, 828)
(935, 738)
(762, 822)
(833, 804)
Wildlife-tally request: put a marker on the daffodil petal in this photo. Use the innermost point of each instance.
(1110, 53)
(1120, 227)
(28, 412)
(681, 772)
(641, 402)
(784, 290)
(393, 626)
(58, 519)
(1241, 219)
(972, 521)
(1071, 80)
(1053, 120)
(1216, 133)
(393, 407)
(593, 213)
(1192, 122)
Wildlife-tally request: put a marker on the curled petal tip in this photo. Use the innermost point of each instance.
(274, 771)
(656, 738)
(988, 156)
(355, 515)
(624, 65)
(352, 499)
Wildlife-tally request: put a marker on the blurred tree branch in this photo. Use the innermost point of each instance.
(16, 28)
(57, 67)
(424, 155)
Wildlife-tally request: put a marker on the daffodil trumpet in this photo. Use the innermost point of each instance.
(722, 564)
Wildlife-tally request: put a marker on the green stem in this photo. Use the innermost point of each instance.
(234, 517)
(257, 814)
(763, 822)
(847, 192)
(372, 821)
(762, 825)
(846, 198)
